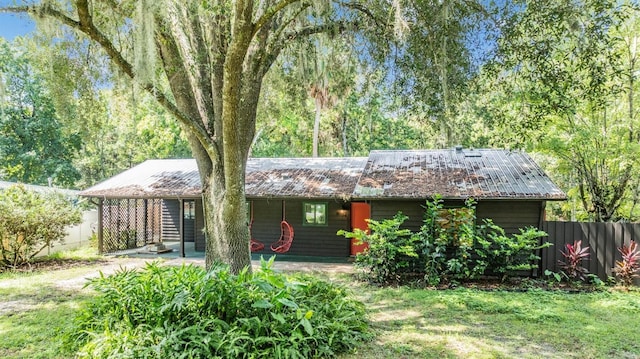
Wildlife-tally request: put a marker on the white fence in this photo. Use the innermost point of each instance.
(77, 236)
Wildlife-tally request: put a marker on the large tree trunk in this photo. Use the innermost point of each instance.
(226, 227)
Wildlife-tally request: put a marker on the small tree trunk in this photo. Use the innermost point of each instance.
(345, 147)
(316, 126)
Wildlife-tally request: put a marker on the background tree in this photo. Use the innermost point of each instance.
(33, 145)
(564, 88)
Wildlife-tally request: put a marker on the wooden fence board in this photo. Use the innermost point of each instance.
(604, 239)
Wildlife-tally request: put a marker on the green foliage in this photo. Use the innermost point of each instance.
(187, 312)
(33, 145)
(629, 267)
(392, 251)
(574, 254)
(449, 247)
(507, 254)
(29, 222)
(563, 83)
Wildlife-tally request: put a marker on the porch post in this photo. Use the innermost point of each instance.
(181, 230)
(100, 226)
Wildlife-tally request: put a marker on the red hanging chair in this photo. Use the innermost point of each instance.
(286, 235)
(254, 245)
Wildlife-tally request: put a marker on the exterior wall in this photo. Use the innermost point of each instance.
(387, 209)
(307, 240)
(189, 224)
(77, 236)
(323, 241)
(510, 215)
(170, 220)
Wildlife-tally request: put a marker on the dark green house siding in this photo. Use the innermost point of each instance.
(308, 240)
(508, 214)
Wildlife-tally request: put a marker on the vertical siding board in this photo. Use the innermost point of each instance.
(622, 231)
(553, 251)
(613, 247)
(589, 240)
(543, 252)
(636, 233)
(547, 253)
(599, 235)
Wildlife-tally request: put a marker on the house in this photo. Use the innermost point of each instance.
(159, 200)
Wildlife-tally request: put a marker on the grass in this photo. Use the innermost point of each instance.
(466, 323)
(409, 323)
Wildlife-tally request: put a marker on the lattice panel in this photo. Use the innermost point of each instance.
(130, 223)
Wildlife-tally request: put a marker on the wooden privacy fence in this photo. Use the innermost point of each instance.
(604, 239)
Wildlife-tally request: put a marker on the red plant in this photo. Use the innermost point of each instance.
(629, 267)
(574, 255)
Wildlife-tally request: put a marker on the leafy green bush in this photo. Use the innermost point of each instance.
(187, 312)
(30, 222)
(392, 251)
(507, 254)
(449, 246)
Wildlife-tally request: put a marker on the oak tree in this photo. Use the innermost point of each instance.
(204, 61)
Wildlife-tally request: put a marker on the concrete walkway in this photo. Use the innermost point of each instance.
(287, 266)
(283, 262)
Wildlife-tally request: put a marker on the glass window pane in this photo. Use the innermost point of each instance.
(314, 214)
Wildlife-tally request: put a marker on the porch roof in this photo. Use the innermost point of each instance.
(169, 178)
(265, 178)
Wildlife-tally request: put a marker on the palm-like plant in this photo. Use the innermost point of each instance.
(574, 254)
(629, 267)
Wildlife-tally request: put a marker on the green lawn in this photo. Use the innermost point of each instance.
(465, 323)
(409, 323)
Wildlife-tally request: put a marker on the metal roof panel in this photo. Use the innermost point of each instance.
(484, 173)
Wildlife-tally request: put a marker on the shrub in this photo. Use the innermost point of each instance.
(502, 254)
(629, 267)
(447, 241)
(187, 312)
(392, 252)
(30, 221)
(574, 254)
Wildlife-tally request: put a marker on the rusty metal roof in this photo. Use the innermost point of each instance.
(455, 173)
(152, 179)
(481, 174)
(266, 177)
(303, 177)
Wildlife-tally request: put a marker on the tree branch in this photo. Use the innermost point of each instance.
(270, 13)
